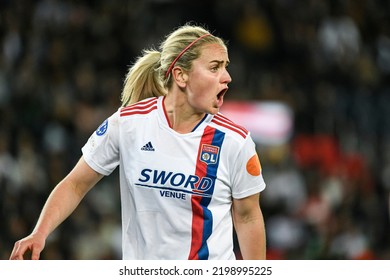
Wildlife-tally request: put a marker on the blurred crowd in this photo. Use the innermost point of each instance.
(62, 65)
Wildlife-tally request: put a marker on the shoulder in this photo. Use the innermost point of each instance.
(226, 125)
(142, 107)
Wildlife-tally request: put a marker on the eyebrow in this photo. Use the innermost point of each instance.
(220, 62)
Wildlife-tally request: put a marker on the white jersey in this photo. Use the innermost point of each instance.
(176, 189)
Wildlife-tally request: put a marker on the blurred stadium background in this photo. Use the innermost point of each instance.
(312, 77)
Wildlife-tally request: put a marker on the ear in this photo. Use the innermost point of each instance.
(180, 76)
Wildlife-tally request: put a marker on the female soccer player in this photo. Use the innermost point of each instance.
(187, 173)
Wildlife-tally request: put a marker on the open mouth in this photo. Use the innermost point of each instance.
(221, 94)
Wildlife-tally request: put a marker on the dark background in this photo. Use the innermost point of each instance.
(62, 64)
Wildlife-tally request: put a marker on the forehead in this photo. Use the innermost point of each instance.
(213, 51)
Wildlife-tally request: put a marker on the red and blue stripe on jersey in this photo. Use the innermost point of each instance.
(202, 220)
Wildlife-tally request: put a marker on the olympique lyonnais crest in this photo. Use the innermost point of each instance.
(209, 154)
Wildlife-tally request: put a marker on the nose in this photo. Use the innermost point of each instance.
(226, 78)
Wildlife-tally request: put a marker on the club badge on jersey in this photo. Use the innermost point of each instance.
(209, 154)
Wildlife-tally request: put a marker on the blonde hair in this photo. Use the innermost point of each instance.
(148, 76)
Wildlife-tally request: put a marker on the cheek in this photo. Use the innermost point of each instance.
(199, 99)
(196, 98)
(201, 88)
(201, 95)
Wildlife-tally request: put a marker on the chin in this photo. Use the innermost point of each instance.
(214, 111)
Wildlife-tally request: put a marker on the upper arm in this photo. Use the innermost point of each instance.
(246, 209)
(82, 178)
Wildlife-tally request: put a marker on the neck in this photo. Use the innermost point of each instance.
(182, 118)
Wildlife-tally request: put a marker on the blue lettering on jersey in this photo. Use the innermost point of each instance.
(102, 128)
(172, 194)
(176, 182)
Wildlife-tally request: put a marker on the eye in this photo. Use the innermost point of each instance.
(214, 68)
(218, 65)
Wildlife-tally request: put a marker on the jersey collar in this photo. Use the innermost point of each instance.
(165, 120)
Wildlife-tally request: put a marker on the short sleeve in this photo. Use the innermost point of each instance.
(101, 152)
(247, 176)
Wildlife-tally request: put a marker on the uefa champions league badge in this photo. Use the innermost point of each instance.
(209, 154)
(102, 128)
